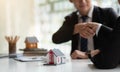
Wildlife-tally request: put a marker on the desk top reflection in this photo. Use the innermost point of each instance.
(80, 65)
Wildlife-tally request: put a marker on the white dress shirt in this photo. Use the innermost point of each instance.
(89, 19)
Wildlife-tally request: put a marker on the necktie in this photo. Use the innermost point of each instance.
(83, 41)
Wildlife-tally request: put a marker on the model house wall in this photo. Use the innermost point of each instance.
(55, 56)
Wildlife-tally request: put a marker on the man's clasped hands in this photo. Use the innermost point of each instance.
(87, 29)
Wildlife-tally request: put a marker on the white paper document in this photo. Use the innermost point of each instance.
(30, 58)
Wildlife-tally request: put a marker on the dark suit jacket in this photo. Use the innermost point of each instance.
(105, 16)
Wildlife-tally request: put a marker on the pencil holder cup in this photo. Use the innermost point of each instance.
(12, 48)
(12, 45)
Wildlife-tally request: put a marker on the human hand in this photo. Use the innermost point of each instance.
(84, 30)
(79, 27)
(93, 25)
(95, 52)
(78, 54)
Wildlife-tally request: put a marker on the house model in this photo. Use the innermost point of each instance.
(31, 42)
(55, 56)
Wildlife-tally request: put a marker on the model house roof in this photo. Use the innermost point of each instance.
(31, 40)
(57, 52)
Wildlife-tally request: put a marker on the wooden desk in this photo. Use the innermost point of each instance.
(11, 65)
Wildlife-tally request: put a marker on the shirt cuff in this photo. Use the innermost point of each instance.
(99, 26)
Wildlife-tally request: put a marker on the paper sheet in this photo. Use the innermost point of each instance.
(27, 59)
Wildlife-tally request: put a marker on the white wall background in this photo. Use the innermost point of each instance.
(16, 18)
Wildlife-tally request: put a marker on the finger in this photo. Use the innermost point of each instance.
(91, 25)
(84, 36)
(95, 28)
(73, 57)
(87, 33)
(91, 34)
(74, 53)
(87, 36)
(91, 31)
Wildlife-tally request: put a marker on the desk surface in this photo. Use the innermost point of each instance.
(84, 65)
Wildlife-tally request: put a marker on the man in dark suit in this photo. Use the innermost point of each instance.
(97, 29)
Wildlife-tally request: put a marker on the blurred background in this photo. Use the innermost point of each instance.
(40, 18)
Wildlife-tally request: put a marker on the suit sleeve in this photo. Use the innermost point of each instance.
(65, 32)
(106, 29)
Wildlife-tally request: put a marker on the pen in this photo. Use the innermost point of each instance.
(50, 64)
